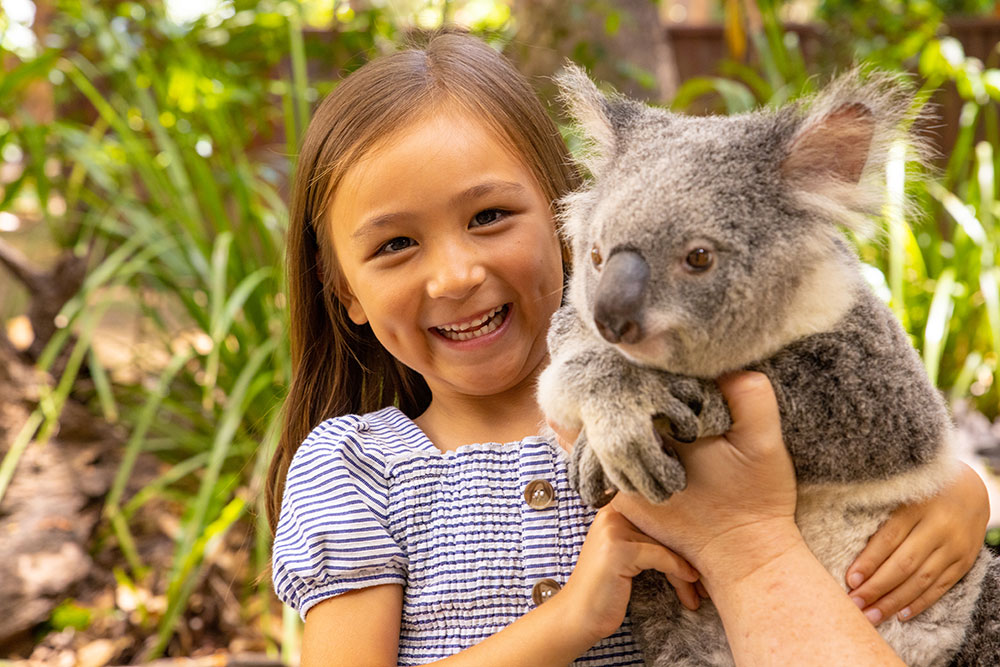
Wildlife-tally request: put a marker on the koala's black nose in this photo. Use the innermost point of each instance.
(620, 293)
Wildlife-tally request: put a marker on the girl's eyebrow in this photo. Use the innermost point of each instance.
(372, 225)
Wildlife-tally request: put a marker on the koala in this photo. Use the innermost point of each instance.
(705, 245)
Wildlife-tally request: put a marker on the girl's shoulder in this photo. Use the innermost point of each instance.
(379, 435)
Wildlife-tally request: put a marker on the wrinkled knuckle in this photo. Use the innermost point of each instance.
(906, 565)
(924, 578)
(967, 561)
(888, 535)
(940, 588)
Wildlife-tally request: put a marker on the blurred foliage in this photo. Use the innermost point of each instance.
(890, 32)
(168, 162)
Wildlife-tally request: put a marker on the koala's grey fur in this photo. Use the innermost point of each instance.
(764, 192)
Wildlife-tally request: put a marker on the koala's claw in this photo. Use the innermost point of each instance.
(587, 476)
(682, 421)
(665, 474)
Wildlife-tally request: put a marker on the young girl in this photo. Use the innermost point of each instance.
(424, 265)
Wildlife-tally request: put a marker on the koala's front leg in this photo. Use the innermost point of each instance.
(589, 386)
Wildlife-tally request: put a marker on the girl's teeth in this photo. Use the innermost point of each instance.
(466, 326)
(490, 320)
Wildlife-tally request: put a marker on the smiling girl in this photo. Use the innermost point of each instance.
(422, 516)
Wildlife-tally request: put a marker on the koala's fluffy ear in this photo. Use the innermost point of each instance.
(602, 119)
(833, 147)
(836, 159)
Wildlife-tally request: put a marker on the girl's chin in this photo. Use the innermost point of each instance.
(496, 379)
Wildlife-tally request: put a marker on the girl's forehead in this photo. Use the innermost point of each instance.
(441, 123)
(444, 134)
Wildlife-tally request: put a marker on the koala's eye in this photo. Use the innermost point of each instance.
(595, 257)
(700, 259)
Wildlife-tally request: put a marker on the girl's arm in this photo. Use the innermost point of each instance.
(921, 551)
(358, 628)
(735, 523)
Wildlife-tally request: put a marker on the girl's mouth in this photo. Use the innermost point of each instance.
(487, 323)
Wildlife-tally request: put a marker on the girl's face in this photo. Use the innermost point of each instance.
(447, 248)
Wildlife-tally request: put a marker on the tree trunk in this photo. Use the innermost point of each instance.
(633, 40)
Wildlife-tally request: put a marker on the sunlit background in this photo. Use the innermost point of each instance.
(145, 156)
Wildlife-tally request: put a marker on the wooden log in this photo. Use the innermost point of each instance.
(51, 507)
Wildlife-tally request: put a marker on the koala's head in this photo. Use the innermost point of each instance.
(703, 244)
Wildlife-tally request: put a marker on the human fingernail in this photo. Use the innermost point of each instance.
(874, 615)
(858, 601)
(856, 579)
(905, 614)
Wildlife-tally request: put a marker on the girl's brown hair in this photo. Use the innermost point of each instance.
(339, 367)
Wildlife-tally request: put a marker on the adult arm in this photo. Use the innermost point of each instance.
(735, 523)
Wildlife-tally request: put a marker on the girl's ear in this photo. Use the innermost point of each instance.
(351, 304)
(342, 292)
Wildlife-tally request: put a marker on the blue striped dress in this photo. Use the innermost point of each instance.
(370, 500)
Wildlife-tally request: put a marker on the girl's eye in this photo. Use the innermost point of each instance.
(488, 217)
(395, 245)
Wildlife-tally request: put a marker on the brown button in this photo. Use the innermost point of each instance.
(539, 494)
(543, 590)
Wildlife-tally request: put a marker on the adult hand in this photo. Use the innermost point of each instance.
(739, 505)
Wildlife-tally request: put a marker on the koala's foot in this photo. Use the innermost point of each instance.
(630, 457)
(586, 475)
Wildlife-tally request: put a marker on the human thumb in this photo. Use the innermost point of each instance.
(754, 409)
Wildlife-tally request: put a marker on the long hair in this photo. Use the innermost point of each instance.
(339, 367)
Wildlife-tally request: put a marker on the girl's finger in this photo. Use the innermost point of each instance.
(657, 557)
(702, 591)
(911, 559)
(929, 584)
(933, 593)
(566, 437)
(881, 546)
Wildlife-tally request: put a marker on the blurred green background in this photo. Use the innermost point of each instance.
(145, 156)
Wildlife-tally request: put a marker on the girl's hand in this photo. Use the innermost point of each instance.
(613, 552)
(921, 551)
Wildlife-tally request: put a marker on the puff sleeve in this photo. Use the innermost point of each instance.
(332, 535)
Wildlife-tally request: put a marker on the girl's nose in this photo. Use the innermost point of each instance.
(455, 274)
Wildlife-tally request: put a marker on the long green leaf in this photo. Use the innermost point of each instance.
(936, 331)
(17, 449)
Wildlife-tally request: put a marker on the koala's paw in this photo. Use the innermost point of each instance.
(630, 456)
